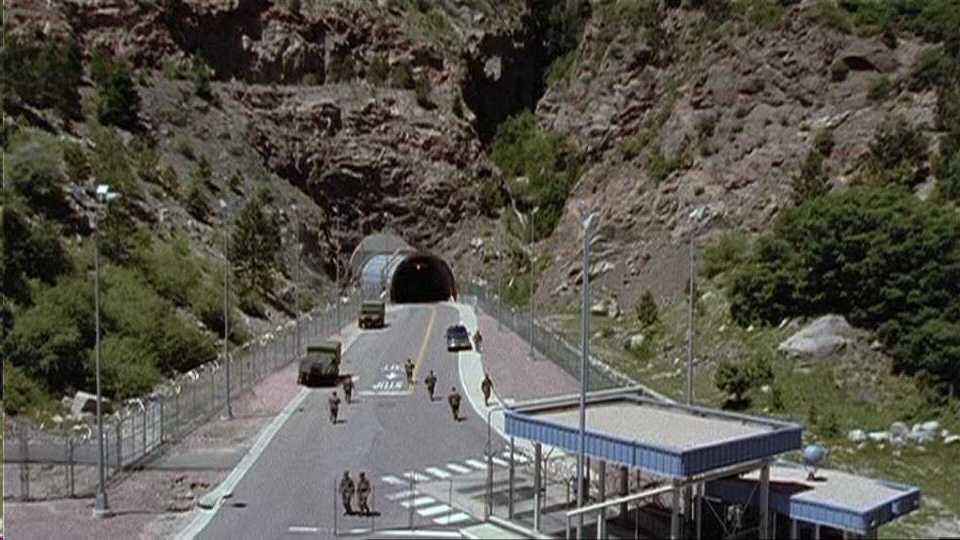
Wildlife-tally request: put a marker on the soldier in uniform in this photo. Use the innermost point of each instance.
(477, 339)
(347, 490)
(408, 367)
(348, 387)
(454, 400)
(363, 493)
(486, 386)
(334, 402)
(431, 382)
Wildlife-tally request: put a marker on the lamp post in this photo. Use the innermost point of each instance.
(360, 266)
(336, 260)
(298, 276)
(589, 223)
(499, 278)
(695, 216)
(101, 508)
(533, 281)
(224, 207)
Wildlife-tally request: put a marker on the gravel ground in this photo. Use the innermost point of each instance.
(514, 375)
(152, 503)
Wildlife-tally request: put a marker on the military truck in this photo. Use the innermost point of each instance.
(321, 365)
(371, 314)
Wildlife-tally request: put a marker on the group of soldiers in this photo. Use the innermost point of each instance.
(361, 489)
(334, 401)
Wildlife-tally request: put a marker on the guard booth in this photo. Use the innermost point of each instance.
(702, 473)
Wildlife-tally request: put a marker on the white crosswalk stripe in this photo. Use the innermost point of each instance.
(406, 494)
(476, 464)
(459, 517)
(389, 479)
(517, 457)
(433, 510)
(457, 468)
(500, 462)
(418, 502)
(416, 476)
(439, 473)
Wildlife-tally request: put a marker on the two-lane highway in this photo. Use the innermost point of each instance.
(388, 430)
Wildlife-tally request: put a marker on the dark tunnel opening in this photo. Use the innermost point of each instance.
(422, 278)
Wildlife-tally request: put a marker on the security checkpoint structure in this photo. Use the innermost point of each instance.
(710, 466)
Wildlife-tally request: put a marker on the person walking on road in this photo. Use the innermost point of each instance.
(348, 387)
(347, 489)
(486, 386)
(334, 402)
(408, 367)
(363, 493)
(454, 400)
(477, 339)
(431, 382)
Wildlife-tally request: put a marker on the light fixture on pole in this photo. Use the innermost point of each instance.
(589, 222)
(499, 275)
(101, 507)
(695, 216)
(224, 211)
(533, 282)
(336, 260)
(298, 276)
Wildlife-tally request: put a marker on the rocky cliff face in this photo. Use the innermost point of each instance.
(732, 123)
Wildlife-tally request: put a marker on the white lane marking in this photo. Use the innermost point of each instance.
(296, 529)
(416, 476)
(458, 468)
(517, 457)
(419, 501)
(421, 534)
(500, 462)
(477, 464)
(434, 510)
(439, 473)
(459, 517)
(406, 494)
(385, 393)
(393, 480)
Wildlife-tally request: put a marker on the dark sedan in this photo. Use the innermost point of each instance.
(458, 338)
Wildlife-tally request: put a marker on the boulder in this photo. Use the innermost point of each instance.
(86, 402)
(878, 436)
(822, 337)
(899, 429)
(932, 426)
(635, 341)
(857, 435)
(952, 439)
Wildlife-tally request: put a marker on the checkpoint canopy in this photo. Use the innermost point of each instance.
(665, 439)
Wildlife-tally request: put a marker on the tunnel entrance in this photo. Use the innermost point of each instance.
(422, 278)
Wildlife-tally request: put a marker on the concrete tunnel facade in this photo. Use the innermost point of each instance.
(393, 271)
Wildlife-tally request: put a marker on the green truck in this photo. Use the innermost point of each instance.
(321, 365)
(372, 314)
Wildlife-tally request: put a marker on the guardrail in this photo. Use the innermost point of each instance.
(56, 463)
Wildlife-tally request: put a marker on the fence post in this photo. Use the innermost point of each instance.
(163, 398)
(143, 414)
(413, 493)
(24, 465)
(119, 427)
(70, 472)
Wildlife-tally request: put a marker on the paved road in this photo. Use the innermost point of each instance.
(389, 430)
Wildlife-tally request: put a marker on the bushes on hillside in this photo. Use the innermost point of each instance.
(117, 101)
(48, 72)
(255, 245)
(811, 181)
(548, 162)
(879, 256)
(724, 254)
(898, 152)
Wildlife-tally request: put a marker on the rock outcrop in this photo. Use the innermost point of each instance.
(825, 336)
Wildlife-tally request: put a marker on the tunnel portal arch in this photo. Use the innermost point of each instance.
(391, 270)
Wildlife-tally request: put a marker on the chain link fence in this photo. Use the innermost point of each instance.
(550, 343)
(57, 463)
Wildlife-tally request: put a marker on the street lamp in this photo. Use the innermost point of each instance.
(532, 256)
(695, 216)
(336, 260)
(104, 195)
(499, 276)
(224, 213)
(589, 222)
(298, 276)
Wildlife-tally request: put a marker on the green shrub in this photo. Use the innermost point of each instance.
(949, 179)
(33, 170)
(403, 75)
(172, 270)
(733, 380)
(48, 73)
(839, 70)
(724, 254)
(648, 313)
(21, 393)
(379, 70)
(561, 68)
(777, 402)
(76, 164)
(898, 150)
(831, 425)
(878, 256)
(129, 367)
(200, 75)
(762, 13)
(111, 164)
(117, 101)
(831, 15)
(341, 67)
(249, 302)
(422, 90)
(823, 141)
(811, 181)
(185, 147)
(880, 88)
(545, 158)
(30, 251)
